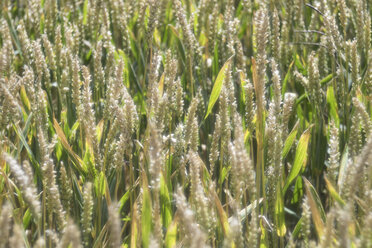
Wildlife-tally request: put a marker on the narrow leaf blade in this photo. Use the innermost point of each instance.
(217, 86)
(317, 211)
(279, 214)
(289, 141)
(300, 158)
(333, 192)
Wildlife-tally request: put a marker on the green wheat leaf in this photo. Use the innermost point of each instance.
(289, 141)
(217, 86)
(300, 158)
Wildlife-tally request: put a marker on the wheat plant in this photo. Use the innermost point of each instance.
(185, 123)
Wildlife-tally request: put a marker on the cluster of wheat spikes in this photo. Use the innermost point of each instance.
(185, 123)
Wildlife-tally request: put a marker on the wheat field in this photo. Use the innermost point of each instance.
(185, 123)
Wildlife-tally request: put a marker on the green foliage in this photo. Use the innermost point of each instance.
(217, 86)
